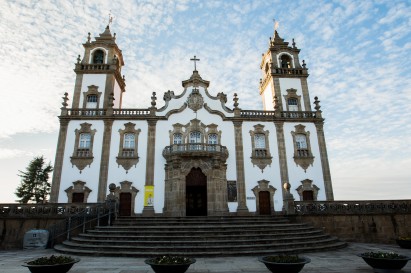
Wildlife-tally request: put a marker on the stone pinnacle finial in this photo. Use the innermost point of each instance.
(111, 100)
(317, 104)
(65, 99)
(235, 99)
(78, 59)
(88, 38)
(153, 100)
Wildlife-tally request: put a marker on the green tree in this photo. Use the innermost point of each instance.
(34, 184)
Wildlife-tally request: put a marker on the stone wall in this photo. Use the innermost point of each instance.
(12, 230)
(365, 228)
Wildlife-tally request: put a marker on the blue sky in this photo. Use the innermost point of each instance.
(357, 53)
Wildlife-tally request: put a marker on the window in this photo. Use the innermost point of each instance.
(292, 104)
(128, 145)
(83, 146)
(260, 149)
(293, 101)
(98, 57)
(302, 148)
(91, 101)
(127, 154)
(195, 137)
(178, 139)
(301, 142)
(212, 139)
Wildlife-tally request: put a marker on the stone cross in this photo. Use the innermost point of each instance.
(194, 60)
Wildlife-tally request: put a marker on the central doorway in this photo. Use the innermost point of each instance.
(264, 202)
(196, 193)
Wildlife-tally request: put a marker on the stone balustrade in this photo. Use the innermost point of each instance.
(352, 207)
(52, 210)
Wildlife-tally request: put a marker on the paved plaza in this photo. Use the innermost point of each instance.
(342, 260)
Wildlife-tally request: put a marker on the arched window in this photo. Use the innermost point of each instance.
(98, 56)
(292, 104)
(285, 61)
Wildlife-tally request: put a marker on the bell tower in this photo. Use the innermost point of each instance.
(99, 73)
(283, 77)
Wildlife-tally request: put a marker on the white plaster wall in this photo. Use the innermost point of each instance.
(253, 174)
(287, 83)
(268, 97)
(93, 79)
(90, 175)
(295, 173)
(136, 174)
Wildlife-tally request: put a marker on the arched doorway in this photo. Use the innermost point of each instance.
(125, 204)
(264, 202)
(196, 193)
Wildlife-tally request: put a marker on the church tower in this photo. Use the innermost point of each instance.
(284, 77)
(99, 73)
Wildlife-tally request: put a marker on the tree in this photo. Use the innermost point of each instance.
(34, 184)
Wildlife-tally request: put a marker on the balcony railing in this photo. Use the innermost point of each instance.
(283, 114)
(195, 148)
(94, 67)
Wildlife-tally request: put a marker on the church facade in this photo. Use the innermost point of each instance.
(193, 153)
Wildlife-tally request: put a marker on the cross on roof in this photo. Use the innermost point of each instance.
(194, 60)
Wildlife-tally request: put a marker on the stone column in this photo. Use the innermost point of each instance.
(151, 148)
(306, 96)
(239, 157)
(324, 161)
(104, 163)
(58, 162)
(282, 156)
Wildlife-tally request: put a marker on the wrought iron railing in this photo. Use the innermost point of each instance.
(352, 207)
(97, 215)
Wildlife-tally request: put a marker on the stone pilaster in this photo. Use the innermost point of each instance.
(58, 162)
(239, 158)
(104, 163)
(282, 156)
(277, 92)
(77, 91)
(151, 146)
(329, 195)
(306, 96)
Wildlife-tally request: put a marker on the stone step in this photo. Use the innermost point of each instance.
(199, 241)
(208, 236)
(78, 249)
(199, 236)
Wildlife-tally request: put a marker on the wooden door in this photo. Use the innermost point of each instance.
(264, 203)
(125, 204)
(196, 193)
(308, 196)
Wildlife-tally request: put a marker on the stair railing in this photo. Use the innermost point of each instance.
(101, 214)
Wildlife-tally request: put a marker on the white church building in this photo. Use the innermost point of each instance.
(195, 152)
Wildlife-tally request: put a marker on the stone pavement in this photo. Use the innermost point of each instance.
(342, 260)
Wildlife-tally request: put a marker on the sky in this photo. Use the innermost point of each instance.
(357, 54)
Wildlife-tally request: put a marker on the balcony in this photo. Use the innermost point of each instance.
(195, 150)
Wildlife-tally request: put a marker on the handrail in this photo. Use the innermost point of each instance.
(87, 216)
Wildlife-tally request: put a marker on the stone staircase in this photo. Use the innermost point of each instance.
(200, 236)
